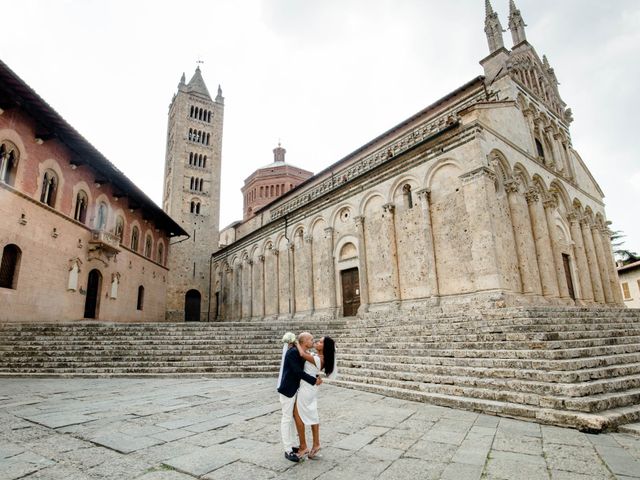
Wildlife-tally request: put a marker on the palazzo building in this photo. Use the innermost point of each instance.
(478, 199)
(78, 239)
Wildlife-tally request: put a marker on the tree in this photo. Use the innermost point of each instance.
(621, 253)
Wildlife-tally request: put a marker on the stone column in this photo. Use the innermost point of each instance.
(262, 308)
(308, 240)
(479, 191)
(550, 204)
(250, 289)
(222, 309)
(238, 291)
(602, 265)
(362, 261)
(596, 281)
(525, 246)
(292, 279)
(277, 262)
(580, 255)
(543, 245)
(529, 116)
(328, 246)
(424, 197)
(388, 215)
(613, 273)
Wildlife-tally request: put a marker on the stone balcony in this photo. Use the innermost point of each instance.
(105, 241)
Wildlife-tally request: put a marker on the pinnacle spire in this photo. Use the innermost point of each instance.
(182, 80)
(219, 97)
(492, 28)
(196, 84)
(516, 24)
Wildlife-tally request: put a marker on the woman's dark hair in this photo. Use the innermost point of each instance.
(329, 355)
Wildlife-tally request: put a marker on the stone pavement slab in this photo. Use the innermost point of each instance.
(180, 429)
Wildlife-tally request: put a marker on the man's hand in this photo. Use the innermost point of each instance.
(318, 380)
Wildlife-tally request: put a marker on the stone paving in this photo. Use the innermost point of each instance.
(185, 428)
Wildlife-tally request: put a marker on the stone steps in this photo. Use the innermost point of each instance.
(566, 366)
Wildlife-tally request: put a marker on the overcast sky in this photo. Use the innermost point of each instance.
(323, 76)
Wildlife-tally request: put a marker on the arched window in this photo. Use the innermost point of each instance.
(135, 236)
(119, 227)
(140, 302)
(9, 267)
(9, 156)
(408, 198)
(198, 136)
(101, 217)
(193, 207)
(209, 117)
(198, 208)
(191, 112)
(80, 212)
(160, 258)
(49, 188)
(271, 191)
(208, 138)
(147, 247)
(191, 158)
(190, 134)
(540, 149)
(191, 184)
(204, 162)
(199, 114)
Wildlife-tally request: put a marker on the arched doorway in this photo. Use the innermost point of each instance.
(192, 306)
(94, 286)
(350, 280)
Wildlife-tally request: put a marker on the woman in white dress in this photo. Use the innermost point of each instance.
(306, 407)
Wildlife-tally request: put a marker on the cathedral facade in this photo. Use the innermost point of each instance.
(478, 199)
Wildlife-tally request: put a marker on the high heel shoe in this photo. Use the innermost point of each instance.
(313, 454)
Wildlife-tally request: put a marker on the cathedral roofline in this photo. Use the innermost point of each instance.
(15, 92)
(425, 111)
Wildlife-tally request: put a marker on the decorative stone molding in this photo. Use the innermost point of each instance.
(389, 208)
(261, 258)
(550, 203)
(418, 135)
(424, 192)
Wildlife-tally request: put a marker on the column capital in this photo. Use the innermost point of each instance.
(389, 207)
(328, 231)
(424, 193)
(550, 203)
(291, 246)
(275, 251)
(532, 195)
(359, 220)
(512, 186)
(477, 173)
(248, 261)
(308, 238)
(261, 258)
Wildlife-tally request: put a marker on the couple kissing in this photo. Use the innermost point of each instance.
(298, 383)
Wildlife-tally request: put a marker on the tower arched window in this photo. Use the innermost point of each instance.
(9, 267)
(80, 211)
(191, 182)
(135, 237)
(208, 136)
(191, 112)
(204, 162)
(147, 246)
(49, 188)
(192, 207)
(190, 158)
(190, 134)
(9, 156)
(209, 117)
(199, 114)
(101, 217)
(198, 208)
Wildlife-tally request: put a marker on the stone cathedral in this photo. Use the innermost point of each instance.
(478, 200)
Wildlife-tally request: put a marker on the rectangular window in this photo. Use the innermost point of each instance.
(625, 291)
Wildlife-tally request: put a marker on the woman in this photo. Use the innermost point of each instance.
(306, 408)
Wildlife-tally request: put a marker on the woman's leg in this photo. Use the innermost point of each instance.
(315, 431)
(300, 428)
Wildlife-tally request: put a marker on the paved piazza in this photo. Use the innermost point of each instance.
(180, 429)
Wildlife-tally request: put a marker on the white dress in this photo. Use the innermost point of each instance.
(308, 394)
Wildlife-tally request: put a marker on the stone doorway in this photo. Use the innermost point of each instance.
(192, 306)
(350, 291)
(567, 272)
(94, 287)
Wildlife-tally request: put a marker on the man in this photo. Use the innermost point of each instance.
(292, 373)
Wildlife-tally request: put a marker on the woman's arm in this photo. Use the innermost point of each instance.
(306, 355)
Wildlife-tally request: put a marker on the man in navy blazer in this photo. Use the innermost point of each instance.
(292, 373)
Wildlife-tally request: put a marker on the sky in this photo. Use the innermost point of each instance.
(322, 77)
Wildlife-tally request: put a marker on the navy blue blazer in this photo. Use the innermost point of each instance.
(292, 373)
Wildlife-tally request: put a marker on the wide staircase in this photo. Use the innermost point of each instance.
(565, 366)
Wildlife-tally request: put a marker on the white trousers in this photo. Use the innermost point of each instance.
(287, 425)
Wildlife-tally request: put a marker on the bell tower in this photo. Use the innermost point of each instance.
(192, 194)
